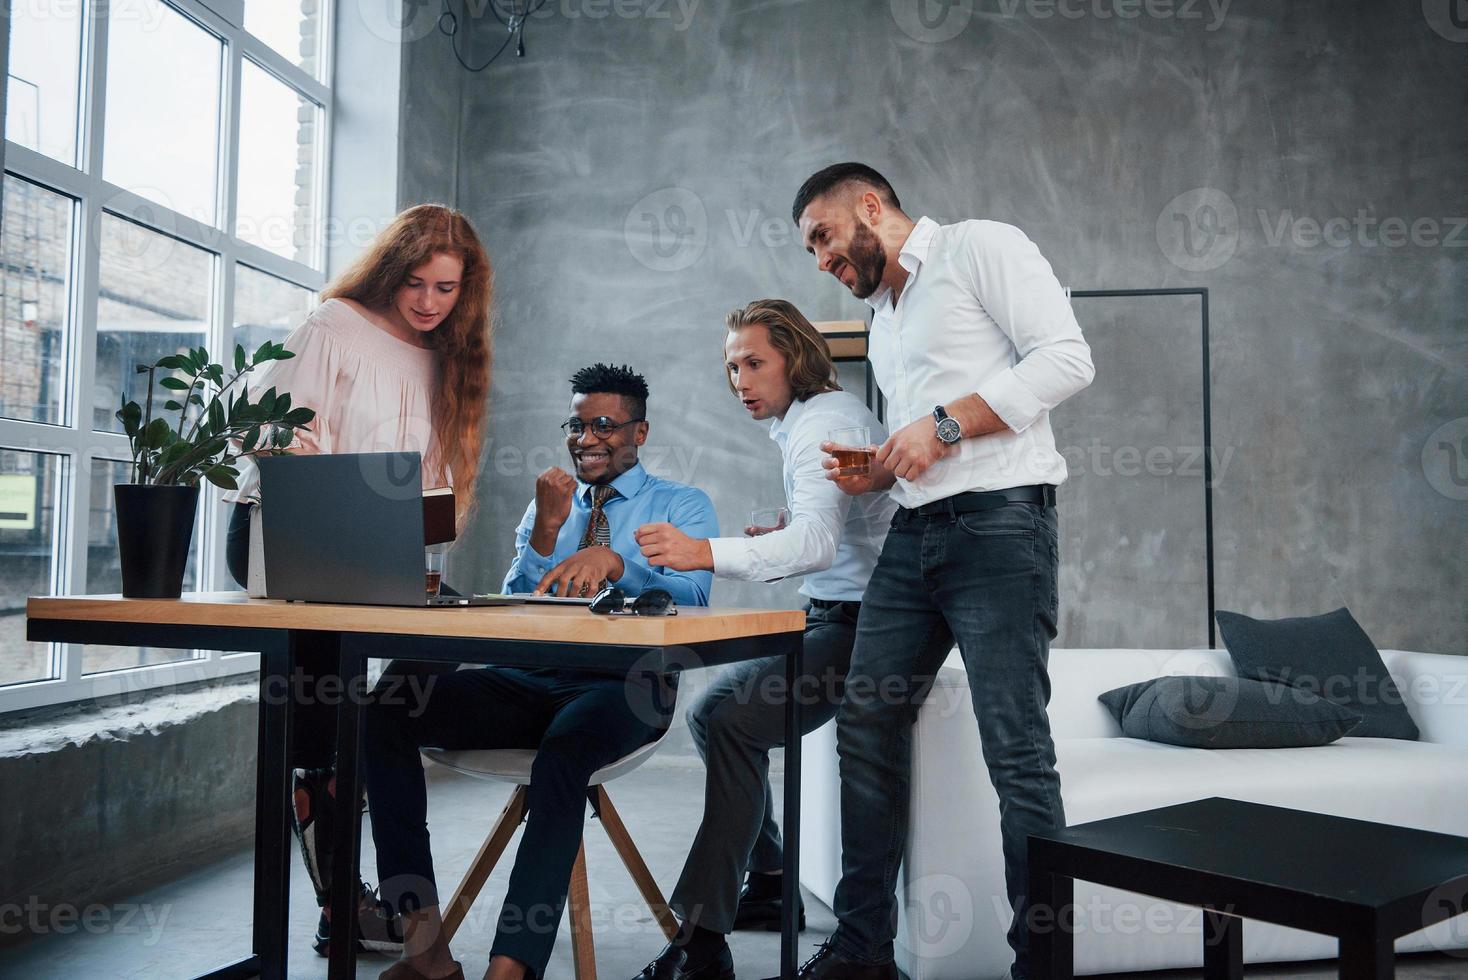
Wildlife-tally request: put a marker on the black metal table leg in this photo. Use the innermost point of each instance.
(342, 963)
(790, 887)
(1367, 954)
(272, 821)
(1051, 922)
(1223, 946)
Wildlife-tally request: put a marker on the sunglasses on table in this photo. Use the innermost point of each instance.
(602, 425)
(614, 602)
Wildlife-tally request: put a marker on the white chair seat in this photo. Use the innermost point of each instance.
(513, 765)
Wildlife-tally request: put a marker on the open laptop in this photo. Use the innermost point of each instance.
(348, 527)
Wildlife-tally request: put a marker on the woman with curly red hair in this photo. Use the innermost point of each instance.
(396, 358)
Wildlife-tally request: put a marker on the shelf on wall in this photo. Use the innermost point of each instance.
(848, 338)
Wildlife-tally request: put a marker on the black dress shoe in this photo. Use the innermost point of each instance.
(826, 965)
(672, 964)
(762, 913)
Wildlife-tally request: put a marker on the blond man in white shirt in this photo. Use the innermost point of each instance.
(779, 366)
(973, 343)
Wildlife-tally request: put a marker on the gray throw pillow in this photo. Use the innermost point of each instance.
(1328, 655)
(1226, 713)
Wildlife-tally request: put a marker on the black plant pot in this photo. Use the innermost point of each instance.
(154, 528)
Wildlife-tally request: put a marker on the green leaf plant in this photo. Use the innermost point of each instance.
(217, 423)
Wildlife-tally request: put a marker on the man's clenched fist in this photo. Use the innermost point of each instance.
(554, 491)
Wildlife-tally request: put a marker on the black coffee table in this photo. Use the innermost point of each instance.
(1364, 883)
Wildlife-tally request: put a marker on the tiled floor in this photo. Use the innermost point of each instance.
(203, 920)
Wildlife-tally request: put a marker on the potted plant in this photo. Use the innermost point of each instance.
(217, 424)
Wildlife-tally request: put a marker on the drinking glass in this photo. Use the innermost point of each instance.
(853, 449)
(767, 519)
(433, 570)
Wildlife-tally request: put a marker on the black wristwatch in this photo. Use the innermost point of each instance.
(949, 431)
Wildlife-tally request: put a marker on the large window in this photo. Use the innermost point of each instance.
(164, 188)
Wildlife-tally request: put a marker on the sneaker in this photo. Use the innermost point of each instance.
(313, 795)
(379, 929)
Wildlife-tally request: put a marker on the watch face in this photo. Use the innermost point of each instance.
(948, 430)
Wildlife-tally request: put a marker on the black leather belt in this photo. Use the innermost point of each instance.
(1042, 494)
(830, 604)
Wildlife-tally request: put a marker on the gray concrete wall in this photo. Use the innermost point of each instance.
(107, 798)
(430, 112)
(632, 176)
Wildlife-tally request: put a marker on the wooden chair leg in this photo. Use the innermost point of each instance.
(636, 867)
(479, 870)
(583, 949)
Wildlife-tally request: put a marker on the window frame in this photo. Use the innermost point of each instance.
(73, 438)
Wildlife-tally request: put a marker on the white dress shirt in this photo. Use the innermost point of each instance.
(981, 312)
(833, 539)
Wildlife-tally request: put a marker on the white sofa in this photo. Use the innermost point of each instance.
(954, 909)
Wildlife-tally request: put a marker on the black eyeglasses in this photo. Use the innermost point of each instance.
(653, 602)
(601, 426)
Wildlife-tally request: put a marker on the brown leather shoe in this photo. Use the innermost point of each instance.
(826, 965)
(404, 971)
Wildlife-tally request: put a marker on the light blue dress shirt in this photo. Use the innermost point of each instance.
(641, 498)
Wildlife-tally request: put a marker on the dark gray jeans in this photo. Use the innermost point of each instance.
(735, 723)
(577, 722)
(986, 580)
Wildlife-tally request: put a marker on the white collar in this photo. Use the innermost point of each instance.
(783, 427)
(911, 256)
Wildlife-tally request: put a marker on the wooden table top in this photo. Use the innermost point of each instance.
(553, 624)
